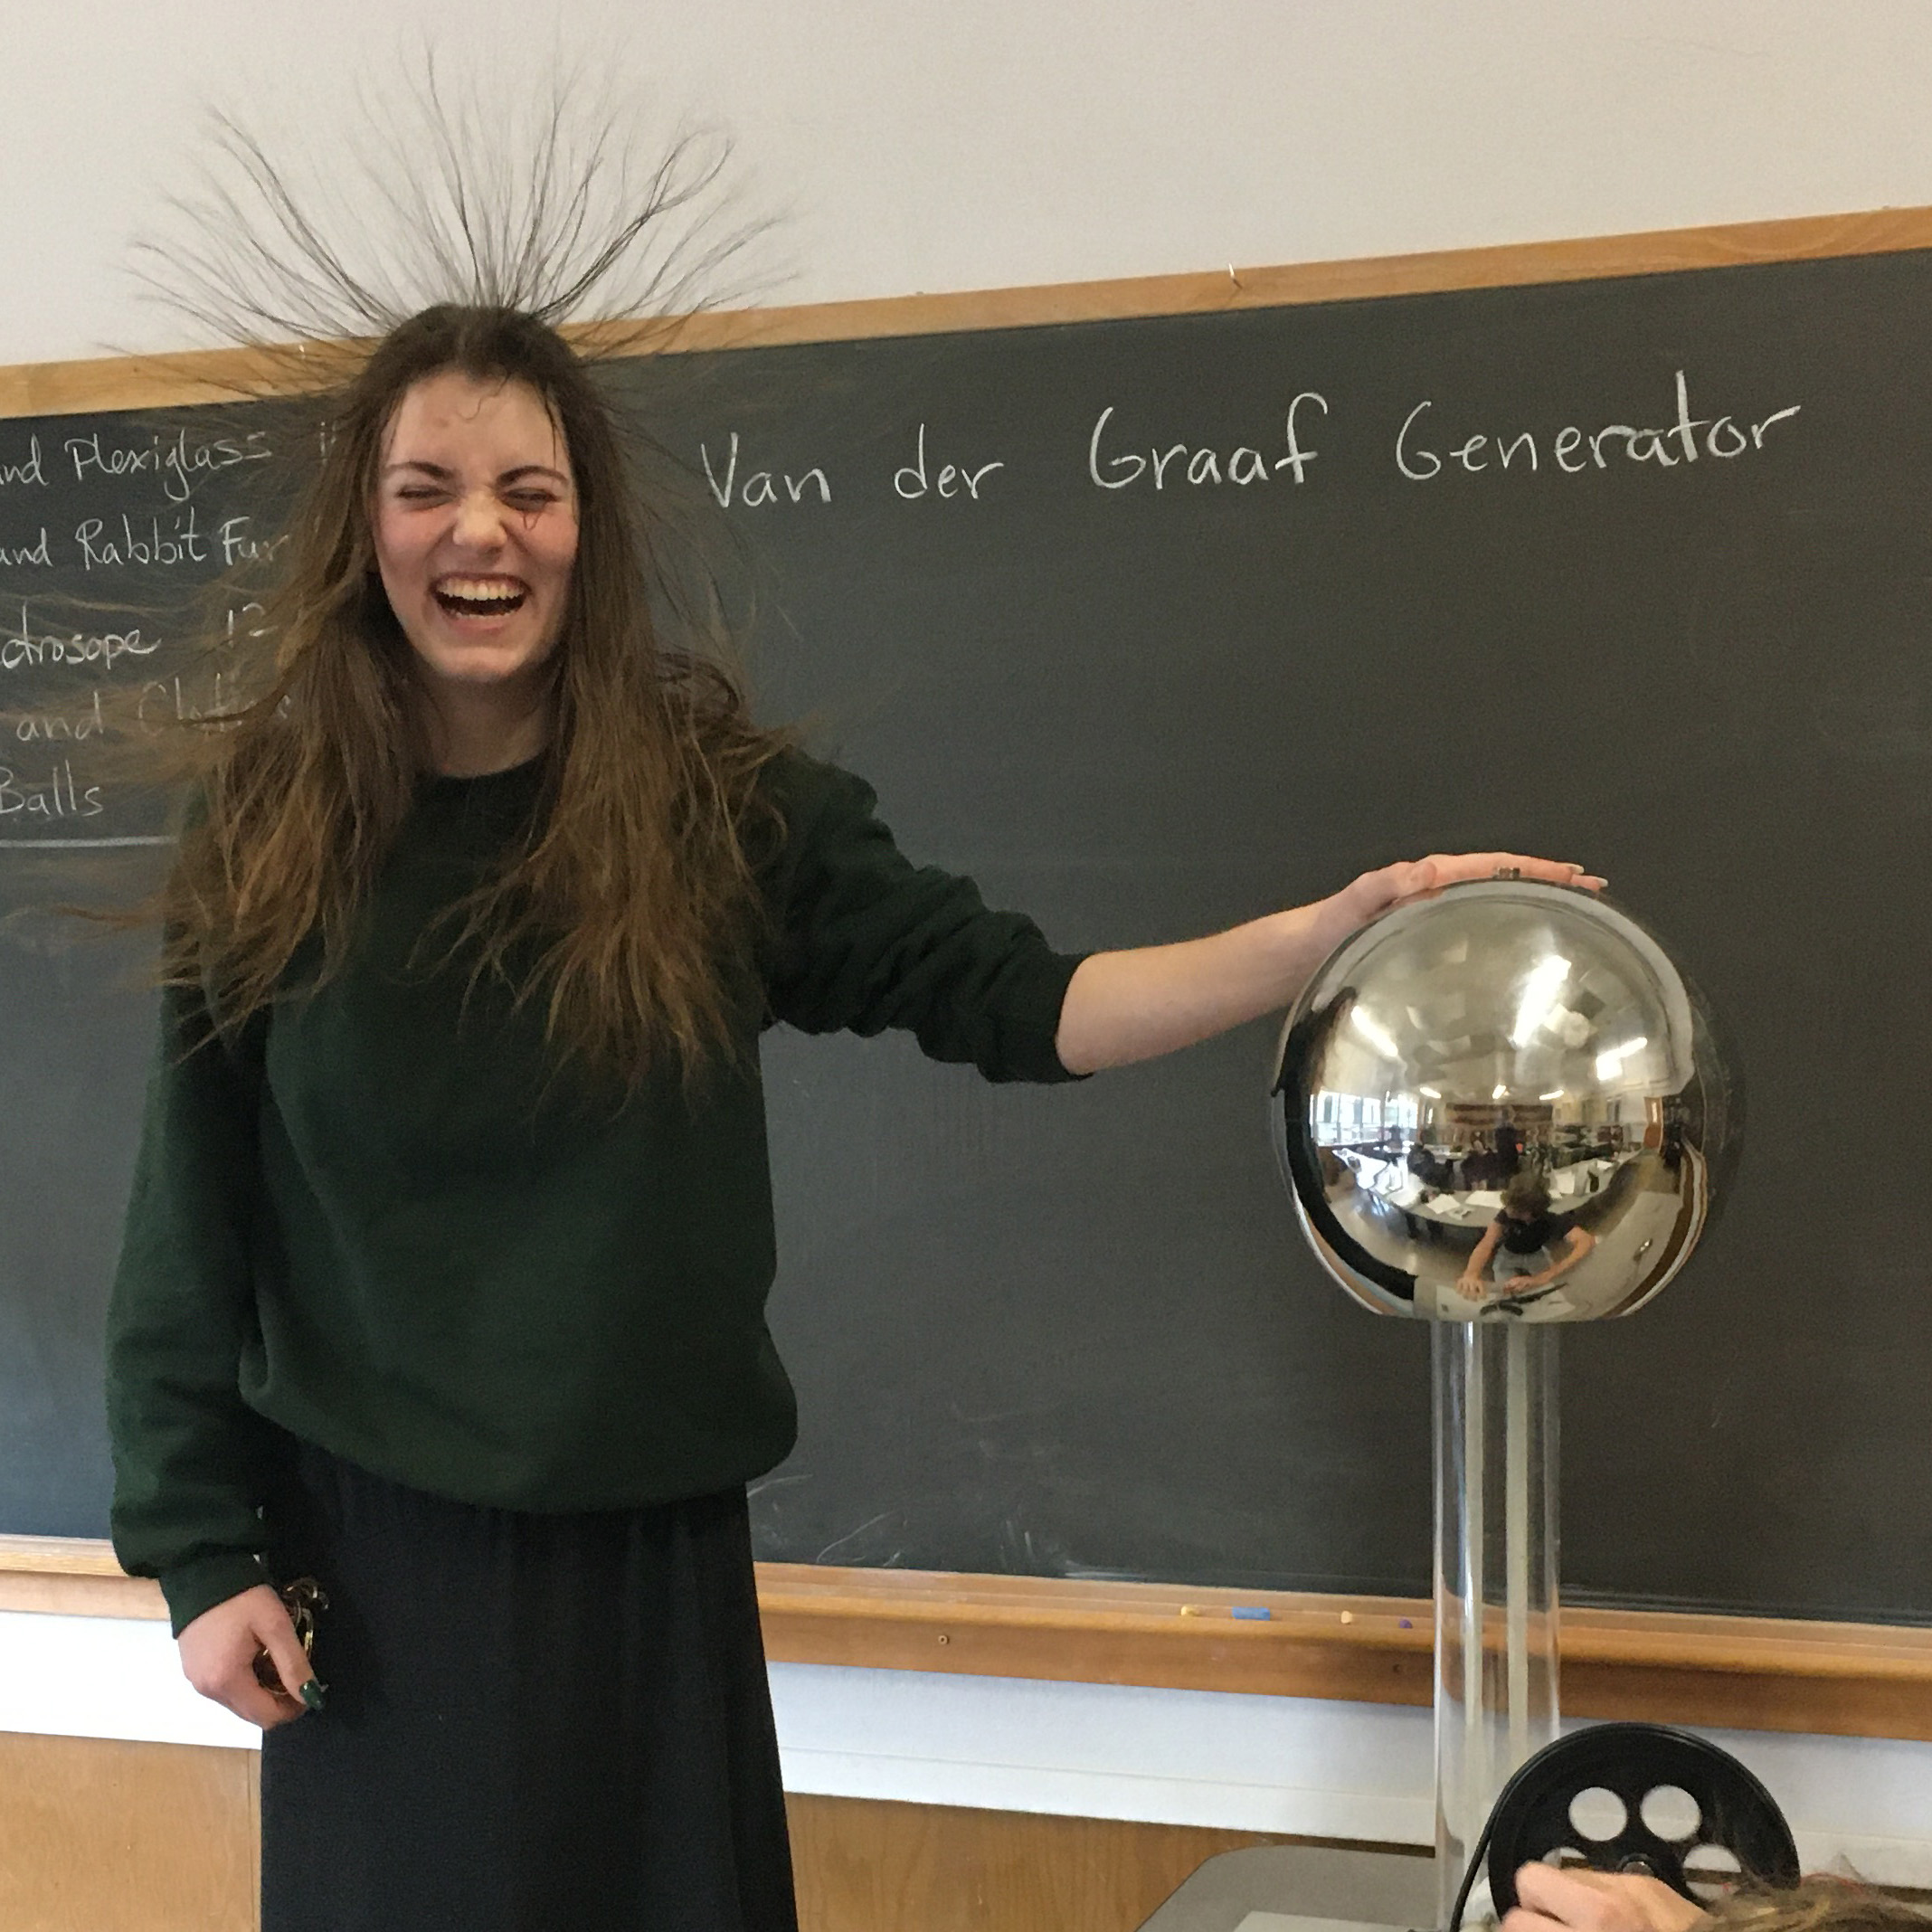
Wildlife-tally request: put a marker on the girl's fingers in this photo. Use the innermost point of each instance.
(292, 1668)
(249, 1702)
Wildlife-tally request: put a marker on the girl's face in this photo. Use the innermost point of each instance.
(476, 531)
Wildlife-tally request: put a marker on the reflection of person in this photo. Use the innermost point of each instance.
(1430, 1169)
(446, 1263)
(1480, 1167)
(1582, 1900)
(1519, 1245)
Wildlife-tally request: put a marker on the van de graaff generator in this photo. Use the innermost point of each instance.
(1501, 1107)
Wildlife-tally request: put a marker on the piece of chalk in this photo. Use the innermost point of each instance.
(1255, 1613)
(1348, 1617)
(1192, 1610)
(1402, 1623)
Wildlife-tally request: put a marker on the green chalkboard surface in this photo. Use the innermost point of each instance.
(1154, 625)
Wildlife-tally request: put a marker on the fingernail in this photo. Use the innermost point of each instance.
(313, 1693)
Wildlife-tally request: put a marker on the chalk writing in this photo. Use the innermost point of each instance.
(238, 546)
(1574, 450)
(57, 795)
(96, 515)
(85, 723)
(761, 486)
(912, 482)
(17, 556)
(25, 471)
(1202, 464)
(237, 625)
(168, 697)
(21, 649)
(102, 548)
(179, 463)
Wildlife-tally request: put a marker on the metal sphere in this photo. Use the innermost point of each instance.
(1502, 1100)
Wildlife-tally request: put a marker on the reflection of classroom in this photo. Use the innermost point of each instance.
(1416, 1173)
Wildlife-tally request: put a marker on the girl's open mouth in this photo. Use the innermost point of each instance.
(464, 599)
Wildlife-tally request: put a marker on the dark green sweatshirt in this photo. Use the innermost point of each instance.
(374, 1218)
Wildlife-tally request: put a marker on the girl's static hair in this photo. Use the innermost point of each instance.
(634, 885)
(489, 191)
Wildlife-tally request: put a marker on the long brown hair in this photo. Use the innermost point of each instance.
(634, 888)
(1819, 1905)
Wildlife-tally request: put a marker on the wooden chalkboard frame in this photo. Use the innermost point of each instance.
(207, 375)
(1752, 1672)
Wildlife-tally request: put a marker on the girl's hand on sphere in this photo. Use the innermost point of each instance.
(218, 1653)
(1583, 1900)
(1375, 892)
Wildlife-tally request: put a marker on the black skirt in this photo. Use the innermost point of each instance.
(533, 1721)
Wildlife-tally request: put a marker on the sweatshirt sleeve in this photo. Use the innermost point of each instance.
(865, 939)
(190, 1459)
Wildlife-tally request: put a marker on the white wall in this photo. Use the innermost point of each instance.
(1305, 1767)
(949, 144)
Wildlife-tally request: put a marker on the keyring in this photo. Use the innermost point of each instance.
(302, 1599)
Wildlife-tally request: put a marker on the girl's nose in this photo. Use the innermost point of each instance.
(479, 520)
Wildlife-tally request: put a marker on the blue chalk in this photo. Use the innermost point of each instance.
(1256, 1613)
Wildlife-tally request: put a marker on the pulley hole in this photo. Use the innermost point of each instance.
(1565, 1858)
(1598, 1815)
(1712, 1872)
(1673, 1814)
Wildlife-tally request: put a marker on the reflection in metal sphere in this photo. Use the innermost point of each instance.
(1502, 1100)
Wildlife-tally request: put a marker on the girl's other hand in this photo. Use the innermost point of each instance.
(218, 1654)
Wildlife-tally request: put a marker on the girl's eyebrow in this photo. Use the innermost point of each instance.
(442, 475)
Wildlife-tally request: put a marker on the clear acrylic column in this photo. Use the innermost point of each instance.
(1496, 1490)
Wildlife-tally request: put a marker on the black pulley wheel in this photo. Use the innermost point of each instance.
(1658, 1778)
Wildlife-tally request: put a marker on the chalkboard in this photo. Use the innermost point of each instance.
(1154, 625)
